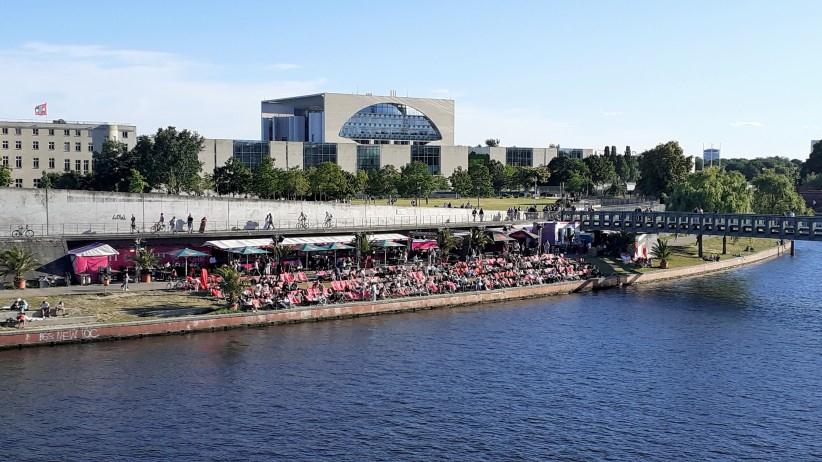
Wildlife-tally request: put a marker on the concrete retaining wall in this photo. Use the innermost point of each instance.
(98, 332)
(75, 211)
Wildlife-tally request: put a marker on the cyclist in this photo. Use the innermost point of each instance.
(303, 220)
(328, 218)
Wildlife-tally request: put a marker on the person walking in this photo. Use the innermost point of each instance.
(481, 214)
(190, 223)
(203, 223)
(269, 221)
(162, 222)
(474, 214)
(124, 285)
(172, 224)
(133, 224)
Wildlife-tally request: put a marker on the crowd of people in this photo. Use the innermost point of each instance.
(21, 308)
(288, 290)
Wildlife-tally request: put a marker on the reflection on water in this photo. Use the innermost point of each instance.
(723, 367)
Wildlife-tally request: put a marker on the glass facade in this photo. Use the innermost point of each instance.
(368, 158)
(428, 155)
(519, 157)
(251, 153)
(388, 121)
(571, 153)
(317, 153)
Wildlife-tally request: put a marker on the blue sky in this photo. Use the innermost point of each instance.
(745, 75)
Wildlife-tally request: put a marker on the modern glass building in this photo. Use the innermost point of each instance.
(368, 158)
(251, 153)
(428, 155)
(519, 157)
(317, 153)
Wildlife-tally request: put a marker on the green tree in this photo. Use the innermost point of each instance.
(232, 178)
(66, 180)
(526, 177)
(5, 176)
(112, 166)
(461, 182)
(776, 194)
(564, 169)
(814, 162)
(170, 159)
(383, 182)
(360, 182)
(267, 181)
(481, 181)
(295, 183)
(661, 168)
(501, 175)
(712, 190)
(415, 180)
(492, 142)
(327, 180)
(446, 242)
(601, 169)
(17, 261)
(662, 251)
(136, 182)
(231, 284)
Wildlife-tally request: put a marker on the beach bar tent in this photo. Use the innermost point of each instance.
(91, 258)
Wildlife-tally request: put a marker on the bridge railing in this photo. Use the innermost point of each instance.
(253, 225)
(777, 226)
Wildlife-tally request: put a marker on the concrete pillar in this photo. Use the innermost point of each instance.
(792, 248)
(724, 245)
(699, 245)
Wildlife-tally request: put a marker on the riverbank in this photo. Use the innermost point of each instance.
(212, 322)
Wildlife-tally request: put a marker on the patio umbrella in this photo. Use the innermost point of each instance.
(385, 245)
(248, 251)
(307, 248)
(185, 253)
(499, 237)
(522, 234)
(337, 246)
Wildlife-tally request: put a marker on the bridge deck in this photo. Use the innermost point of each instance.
(805, 228)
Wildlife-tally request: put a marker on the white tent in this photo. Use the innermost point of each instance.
(237, 243)
(94, 250)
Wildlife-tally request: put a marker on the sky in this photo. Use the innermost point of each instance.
(743, 75)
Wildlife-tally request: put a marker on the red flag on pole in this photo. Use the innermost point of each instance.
(40, 110)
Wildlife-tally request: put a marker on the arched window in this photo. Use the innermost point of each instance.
(392, 122)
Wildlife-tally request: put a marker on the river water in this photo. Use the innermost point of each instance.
(721, 367)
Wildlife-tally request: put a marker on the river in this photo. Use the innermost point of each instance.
(722, 367)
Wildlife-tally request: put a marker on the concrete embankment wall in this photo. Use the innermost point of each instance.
(98, 332)
(58, 207)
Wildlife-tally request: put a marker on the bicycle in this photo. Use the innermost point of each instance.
(302, 222)
(23, 231)
(157, 227)
(327, 223)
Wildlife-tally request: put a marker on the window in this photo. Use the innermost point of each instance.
(5, 144)
(35, 131)
(368, 158)
(36, 182)
(125, 135)
(5, 161)
(251, 153)
(66, 165)
(519, 157)
(77, 165)
(85, 166)
(18, 145)
(428, 155)
(51, 132)
(66, 132)
(51, 162)
(78, 147)
(18, 183)
(390, 121)
(317, 153)
(35, 145)
(5, 130)
(18, 131)
(66, 146)
(51, 145)
(90, 147)
(88, 133)
(76, 132)
(18, 162)
(35, 162)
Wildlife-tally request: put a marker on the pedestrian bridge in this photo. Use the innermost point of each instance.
(804, 228)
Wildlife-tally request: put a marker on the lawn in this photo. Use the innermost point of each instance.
(686, 255)
(489, 203)
(118, 306)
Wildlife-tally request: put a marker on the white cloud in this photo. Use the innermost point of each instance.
(746, 123)
(147, 88)
(283, 66)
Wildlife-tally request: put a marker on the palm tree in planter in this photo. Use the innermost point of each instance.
(231, 285)
(478, 239)
(17, 261)
(145, 260)
(363, 246)
(446, 242)
(662, 251)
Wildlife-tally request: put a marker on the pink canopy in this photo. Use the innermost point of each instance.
(423, 244)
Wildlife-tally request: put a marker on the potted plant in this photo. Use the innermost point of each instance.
(17, 261)
(145, 260)
(662, 251)
(446, 242)
(231, 284)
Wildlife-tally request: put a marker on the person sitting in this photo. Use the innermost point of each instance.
(60, 309)
(21, 320)
(20, 305)
(45, 309)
